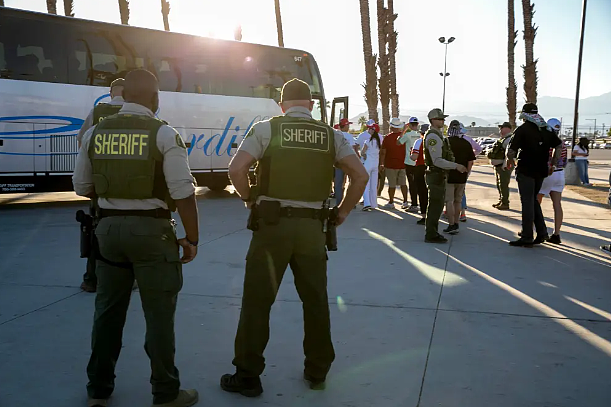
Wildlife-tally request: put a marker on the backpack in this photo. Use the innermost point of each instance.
(498, 152)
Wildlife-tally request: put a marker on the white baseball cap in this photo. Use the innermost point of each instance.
(396, 123)
(413, 119)
(370, 123)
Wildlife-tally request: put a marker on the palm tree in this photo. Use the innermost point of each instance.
(279, 24)
(124, 11)
(392, 50)
(69, 8)
(512, 87)
(530, 68)
(371, 73)
(384, 81)
(165, 12)
(52, 6)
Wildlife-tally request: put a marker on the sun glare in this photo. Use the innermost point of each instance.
(220, 29)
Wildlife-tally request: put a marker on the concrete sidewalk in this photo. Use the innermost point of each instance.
(470, 323)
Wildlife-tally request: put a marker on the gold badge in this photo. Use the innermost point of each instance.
(432, 142)
(180, 142)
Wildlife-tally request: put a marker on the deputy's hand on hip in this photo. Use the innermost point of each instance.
(461, 168)
(188, 252)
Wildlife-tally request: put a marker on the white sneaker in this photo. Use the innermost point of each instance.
(404, 205)
(389, 206)
(413, 208)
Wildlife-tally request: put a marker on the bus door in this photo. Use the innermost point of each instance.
(16, 146)
(339, 110)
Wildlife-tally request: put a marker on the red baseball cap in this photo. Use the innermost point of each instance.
(344, 122)
(336, 127)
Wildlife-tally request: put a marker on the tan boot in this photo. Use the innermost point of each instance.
(186, 398)
(97, 402)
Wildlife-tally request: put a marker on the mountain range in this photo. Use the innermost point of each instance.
(491, 114)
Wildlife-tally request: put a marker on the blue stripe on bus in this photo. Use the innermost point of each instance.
(5, 153)
(35, 137)
(74, 124)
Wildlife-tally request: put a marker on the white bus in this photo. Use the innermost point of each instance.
(54, 69)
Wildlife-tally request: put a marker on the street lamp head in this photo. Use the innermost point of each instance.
(442, 39)
(440, 73)
(451, 39)
(448, 74)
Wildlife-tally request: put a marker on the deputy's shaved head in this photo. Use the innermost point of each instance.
(142, 87)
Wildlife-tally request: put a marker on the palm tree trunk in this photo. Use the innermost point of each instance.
(69, 8)
(124, 11)
(165, 12)
(371, 73)
(384, 82)
(392, 50)
(530, 68)
(52, 6)
(512, 87)
(279, 24)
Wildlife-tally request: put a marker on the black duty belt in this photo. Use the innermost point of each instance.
(559, 169)
(150, 213)
(288, 212)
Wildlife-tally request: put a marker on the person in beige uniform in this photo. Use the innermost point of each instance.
(99, 112)
(295, 157)
(102, 110)
(137, 167)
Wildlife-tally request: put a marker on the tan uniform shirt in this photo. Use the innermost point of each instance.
(260, 135)
(181, 183)
(88, 123)
(434, 144)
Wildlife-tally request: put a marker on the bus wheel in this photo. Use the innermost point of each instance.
(217, 187)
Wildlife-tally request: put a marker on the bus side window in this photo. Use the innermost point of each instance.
(33, 51)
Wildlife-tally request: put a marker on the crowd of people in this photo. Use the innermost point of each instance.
(399, 158)
(136, 240)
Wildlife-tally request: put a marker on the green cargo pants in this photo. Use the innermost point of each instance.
(150, 245)
(502, 183)
(436, 183)
(300, 243)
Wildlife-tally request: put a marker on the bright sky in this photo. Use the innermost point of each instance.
(331, 31)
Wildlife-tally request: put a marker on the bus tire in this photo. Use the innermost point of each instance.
(217, 186)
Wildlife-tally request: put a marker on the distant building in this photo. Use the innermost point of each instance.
(474, 132)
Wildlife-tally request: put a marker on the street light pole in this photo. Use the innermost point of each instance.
(445, 73)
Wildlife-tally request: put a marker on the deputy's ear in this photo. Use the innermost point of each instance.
(282, 107)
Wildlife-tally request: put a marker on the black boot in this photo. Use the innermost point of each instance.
(246, 386)
(314, 383)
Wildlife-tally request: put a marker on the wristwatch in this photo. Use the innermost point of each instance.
(194, 244)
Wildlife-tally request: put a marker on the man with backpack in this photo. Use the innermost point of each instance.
(497, 159)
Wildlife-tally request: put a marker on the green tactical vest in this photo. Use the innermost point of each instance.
(498, 152)
(126, 161)
(298, 162)
(103, 110)
(446, 150)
